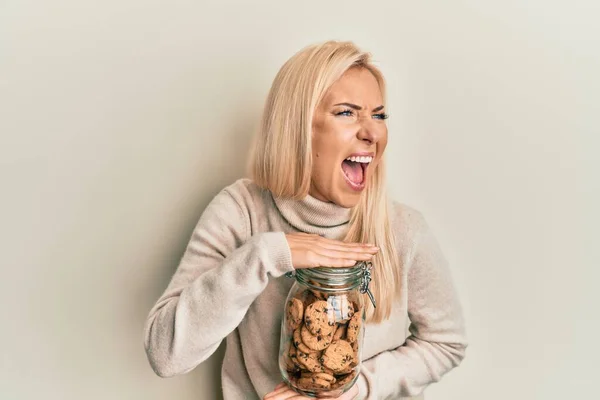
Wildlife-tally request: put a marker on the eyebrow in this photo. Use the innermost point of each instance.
(358, 108)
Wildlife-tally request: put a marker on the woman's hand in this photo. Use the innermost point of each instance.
(310, 251)
(284, 392)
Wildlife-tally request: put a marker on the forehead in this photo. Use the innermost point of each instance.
(358, 86)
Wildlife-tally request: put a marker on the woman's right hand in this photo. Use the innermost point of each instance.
(310, 251)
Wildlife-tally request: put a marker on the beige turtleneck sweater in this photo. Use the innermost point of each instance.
(230, 285)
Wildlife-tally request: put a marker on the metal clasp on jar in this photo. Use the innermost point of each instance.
(366, 279)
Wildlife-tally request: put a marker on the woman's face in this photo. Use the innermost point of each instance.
(349, 138)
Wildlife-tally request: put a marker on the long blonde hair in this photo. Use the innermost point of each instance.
(281, 158)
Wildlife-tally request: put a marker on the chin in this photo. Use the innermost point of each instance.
(346, 200)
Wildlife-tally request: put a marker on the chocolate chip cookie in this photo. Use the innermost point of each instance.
(343, 380)
(338, 356)
(340, 332)
(316, 342)
(319, 375)
(318, 318)
(310, 361)
(300, 344)
(354, 327)
(294, 313)
(313, 383)
(293, 356)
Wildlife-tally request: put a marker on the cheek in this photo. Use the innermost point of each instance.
(324, 164)
(335, 132)
(327, 140)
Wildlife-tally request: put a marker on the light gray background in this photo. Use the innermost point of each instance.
(120, 120)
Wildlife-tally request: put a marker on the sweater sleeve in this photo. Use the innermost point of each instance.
(220, 274)
(437, 340)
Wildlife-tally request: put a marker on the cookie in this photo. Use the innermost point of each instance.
(350, 366)
(355, 348)
(327, 371)
(300, 344)
(287, 359)
(313, 383)
(310, 361)
(340, 332)
(319, 375)
(308, 298)
(293, 357)
(354, 327)
(316, 292)
(294, 313)
(317, 318)
(348, 312)
(345, 371)
(315, 342)
(343, 380)
(338, 356)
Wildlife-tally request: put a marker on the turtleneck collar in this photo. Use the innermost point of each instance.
(311, 215)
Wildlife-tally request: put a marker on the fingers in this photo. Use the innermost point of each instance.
(328, 261)
(349, 255)
(337, 249)
(284, 393)
(339, 243)
(333, 244)
(365, 251)
(334, 263)
(281, 388)
(334, 258)
(310, 251)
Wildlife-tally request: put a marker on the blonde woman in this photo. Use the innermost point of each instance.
(316, 198)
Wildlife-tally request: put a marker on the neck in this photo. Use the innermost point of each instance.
(311, 215)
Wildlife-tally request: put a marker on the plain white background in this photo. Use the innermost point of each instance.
(120, 120)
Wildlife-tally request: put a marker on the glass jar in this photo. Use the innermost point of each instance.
(323, 328)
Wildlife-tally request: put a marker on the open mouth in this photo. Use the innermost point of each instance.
(355, 170)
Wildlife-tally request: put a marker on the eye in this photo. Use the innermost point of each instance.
(345, 113)
(381, 116)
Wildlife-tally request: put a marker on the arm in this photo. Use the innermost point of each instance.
(437, 342)
(220, 274)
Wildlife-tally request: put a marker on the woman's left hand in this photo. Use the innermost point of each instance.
(284, 392)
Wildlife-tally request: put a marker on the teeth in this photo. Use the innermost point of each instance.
(360, 159)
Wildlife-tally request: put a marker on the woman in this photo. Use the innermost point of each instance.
(316, 198)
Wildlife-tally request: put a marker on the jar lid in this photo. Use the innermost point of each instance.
(337, 279)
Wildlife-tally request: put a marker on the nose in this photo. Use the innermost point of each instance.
(369, 132)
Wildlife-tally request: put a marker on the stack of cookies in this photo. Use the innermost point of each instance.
(321, 351)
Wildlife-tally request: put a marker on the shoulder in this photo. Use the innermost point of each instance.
(408, 225)
(414, 235)
(247, 194)
(406, 220)
(244, 199)
(229, 212)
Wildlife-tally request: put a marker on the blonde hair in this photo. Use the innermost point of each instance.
(281, 159)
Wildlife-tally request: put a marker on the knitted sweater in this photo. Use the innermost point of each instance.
(230, 285)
